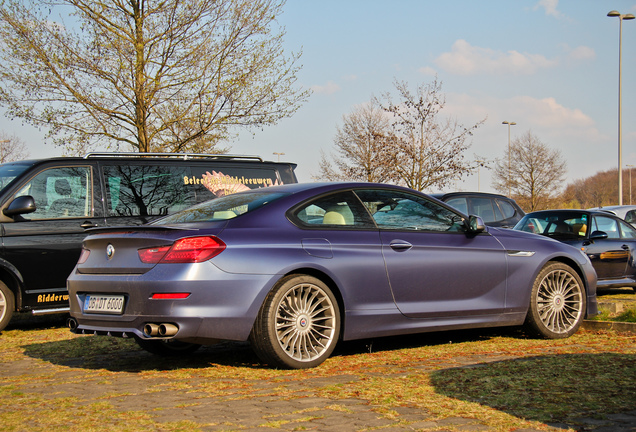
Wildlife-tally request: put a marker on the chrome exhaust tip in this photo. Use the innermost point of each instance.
(71, 323)
(168, 329)
(151, 329)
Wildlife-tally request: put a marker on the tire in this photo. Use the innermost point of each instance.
(298, 325)
(167, 347)
(7, 305)
(557, 303)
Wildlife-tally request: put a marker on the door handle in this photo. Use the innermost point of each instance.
(400, 245)
(88, 224)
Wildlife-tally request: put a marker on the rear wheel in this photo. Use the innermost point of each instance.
(167, 347)
(298, 325)
(557, 303)
(7, 305)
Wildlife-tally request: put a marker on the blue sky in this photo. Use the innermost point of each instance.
(550, 66)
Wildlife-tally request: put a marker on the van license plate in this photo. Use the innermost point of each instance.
(102, 303)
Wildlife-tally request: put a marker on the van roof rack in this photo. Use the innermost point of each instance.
(184, 156)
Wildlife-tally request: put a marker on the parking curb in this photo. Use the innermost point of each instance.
(609, 325)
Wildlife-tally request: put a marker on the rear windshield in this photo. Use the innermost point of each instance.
(223, 208)
(9, 171)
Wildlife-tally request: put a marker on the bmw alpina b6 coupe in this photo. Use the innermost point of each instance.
(296, 268)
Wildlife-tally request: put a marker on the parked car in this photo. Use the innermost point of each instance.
(295, 268)
(47, 205)
(608, 241)
(496, 210)
(626, 212)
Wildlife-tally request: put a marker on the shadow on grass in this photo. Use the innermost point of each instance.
(124, 355)
(550, 389)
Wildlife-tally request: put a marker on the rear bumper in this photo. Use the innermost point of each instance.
(220, 306)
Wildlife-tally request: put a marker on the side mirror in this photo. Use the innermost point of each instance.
(598, 235)
(21, 205)
(476, 224)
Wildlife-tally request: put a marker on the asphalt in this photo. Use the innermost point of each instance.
(270, 407)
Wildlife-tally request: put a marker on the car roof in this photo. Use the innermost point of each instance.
(617, 209)
(439, 195)
(582, 211)
(171, 157)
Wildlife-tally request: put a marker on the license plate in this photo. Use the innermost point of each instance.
(104, 303)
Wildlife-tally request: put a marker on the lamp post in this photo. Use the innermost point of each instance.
(630, 182)
(620, 67)
(279, 155)
(509, 124)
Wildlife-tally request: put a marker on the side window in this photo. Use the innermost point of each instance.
(459, 203)
(157, 190)
(484, 208)
(145, 190)
(631, 216)
(506, 208)
(341, 210)
(65, 192)
(607, 225)
(404, 211)
(627, 231)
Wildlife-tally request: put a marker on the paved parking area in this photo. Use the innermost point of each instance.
(234, 403)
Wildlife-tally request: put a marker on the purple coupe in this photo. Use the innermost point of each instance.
(295, 268)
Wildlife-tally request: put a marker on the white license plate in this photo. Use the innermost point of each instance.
(103, 303)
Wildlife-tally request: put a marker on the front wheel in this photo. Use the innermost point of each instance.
(7, 305)
(298, 324)
(557, 303)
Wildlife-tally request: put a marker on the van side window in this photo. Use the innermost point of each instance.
(148, 190)
(65, 192)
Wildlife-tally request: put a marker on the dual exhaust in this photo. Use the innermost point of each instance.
(160, 330)
(150, 329)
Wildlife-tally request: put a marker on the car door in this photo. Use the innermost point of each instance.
(435, 269)
(628, 237)
(610, 256)
(44, 245)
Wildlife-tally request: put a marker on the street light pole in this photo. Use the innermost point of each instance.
(279, 155)
(620, 67)
(509, 179)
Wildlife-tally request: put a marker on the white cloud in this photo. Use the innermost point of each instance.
(427, 70)
(465, 59)
(582, 53)
(550, 7)
(329, 88)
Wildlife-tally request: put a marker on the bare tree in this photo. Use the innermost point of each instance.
(148, 75)
(598, 190)
(536, 172)
(428, 151)
(12, 148)
(360, 147)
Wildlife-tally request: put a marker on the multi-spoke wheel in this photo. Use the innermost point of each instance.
(298, 325)
(7, 304)
(557, 302)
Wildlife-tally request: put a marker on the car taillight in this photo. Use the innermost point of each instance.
(186, 250)
(83, 256)
(152, 255)
(170, 296)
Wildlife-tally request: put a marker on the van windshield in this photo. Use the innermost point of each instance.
(9, 171)
(227, 207)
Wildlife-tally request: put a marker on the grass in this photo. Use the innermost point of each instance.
(52, 380)
(626, 297)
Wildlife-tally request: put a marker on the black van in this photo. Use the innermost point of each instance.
(47, 205)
